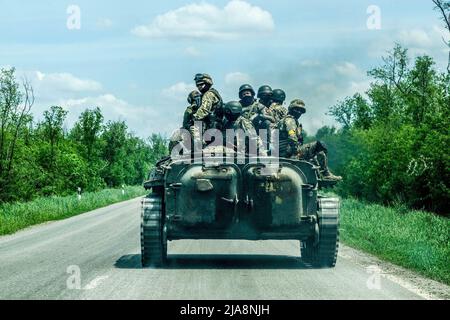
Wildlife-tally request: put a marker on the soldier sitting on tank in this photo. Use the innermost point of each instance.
(241, 129)
(261, 117)
(194, 101)
(291, 141)
(210, 110)
(248, 101)
(276, 109)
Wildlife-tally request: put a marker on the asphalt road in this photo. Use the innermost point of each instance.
(97, 256)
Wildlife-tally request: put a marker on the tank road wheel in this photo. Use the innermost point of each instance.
(323, 253)
(153, 232)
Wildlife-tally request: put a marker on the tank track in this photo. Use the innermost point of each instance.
(153, 233)
(323, 253)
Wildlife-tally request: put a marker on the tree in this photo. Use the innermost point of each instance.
(444, 9)
(87, 131)
(392, 147)
(114, 153)
(86, 134)
(15, 106)
(352, 112)
(52, 130)
(158, 147)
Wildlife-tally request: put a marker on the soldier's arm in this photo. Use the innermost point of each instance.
(187, 118)
(208, 101)
(291, 128)
(301, 138)
(250, 130)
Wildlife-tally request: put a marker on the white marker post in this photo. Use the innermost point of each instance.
(79, 193)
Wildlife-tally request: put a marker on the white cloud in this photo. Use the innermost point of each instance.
(418, 41)
(143, 120)
(348, 69)
(178, 91)
(76, 95)
(359, 87)
(237, 78)
(65, 82)
(192, 51)
(310, 63)
(204, 20)
(104, 23)
(415, 38)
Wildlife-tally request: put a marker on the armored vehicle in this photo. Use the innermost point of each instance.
(259, 199)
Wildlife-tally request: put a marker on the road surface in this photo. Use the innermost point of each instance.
(97, 256)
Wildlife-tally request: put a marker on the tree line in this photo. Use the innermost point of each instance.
(393, 146)
(43, 158)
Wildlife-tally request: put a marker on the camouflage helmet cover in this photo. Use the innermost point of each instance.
(297, 104)
(201, 78)
(191, 97)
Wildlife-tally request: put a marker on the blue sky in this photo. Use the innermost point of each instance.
(136, 59)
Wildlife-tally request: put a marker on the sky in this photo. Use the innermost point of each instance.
(136, 60)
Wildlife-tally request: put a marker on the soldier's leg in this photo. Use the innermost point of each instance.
(307, 151)
(317, 151)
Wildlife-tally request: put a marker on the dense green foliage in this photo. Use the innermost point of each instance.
(16, 216)
(413, 239)
(45, 159)
(394, 141)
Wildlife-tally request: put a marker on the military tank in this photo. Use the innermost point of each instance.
(258, 199)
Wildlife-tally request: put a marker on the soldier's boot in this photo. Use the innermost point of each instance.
(326, 173)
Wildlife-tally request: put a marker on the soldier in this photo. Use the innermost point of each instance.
(210, 110)
(247, 100)
(233, 120)
(194, 101)
(276, 109)
(291, 141)
(265, 95)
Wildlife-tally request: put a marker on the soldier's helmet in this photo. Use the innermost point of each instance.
(264, 91)
(191, 97)
(232, 110)
(246, 87)
(297, 105)
(203, 78)
(278, 96)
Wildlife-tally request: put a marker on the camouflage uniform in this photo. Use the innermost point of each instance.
(291, 136)
(188, 119)
(209, 109)
(252, 110)
(248, 129)
(277, 111)
(291, 144)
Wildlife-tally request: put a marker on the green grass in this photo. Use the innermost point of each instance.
(413, 239)
(16, 216)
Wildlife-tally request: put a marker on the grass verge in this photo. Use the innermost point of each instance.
(413, 239)
(16, 216)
